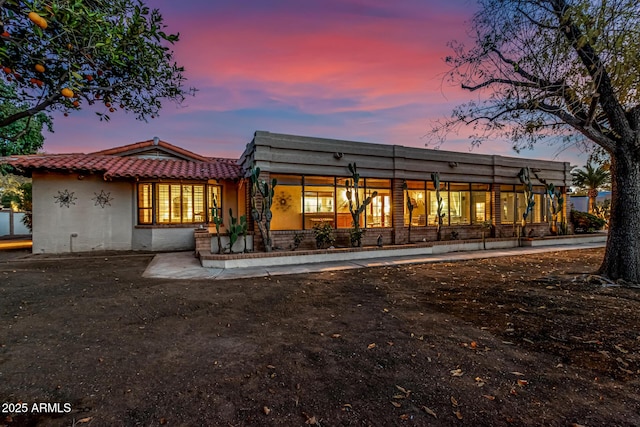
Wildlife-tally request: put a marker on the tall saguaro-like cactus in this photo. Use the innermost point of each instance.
(410, 206)
(262, 193)
(555, 206)
(217, 220)
(525, 179)
(435, 177)
(355, 207)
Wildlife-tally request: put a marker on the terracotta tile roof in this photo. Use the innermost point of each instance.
(129, 167)
(165, 146)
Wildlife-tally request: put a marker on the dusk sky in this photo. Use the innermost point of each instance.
(364, 70)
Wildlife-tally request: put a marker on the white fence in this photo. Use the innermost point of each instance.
(11, 223)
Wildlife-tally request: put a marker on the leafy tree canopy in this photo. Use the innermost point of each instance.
(550, 68)
(65, 54)
(23, 136)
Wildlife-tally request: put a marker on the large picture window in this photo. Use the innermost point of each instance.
(514, 203)
(415, 192)
(287, 203)
(145, 204)
(378, 213)
(300, 202)
(480, 203)
(174, 203)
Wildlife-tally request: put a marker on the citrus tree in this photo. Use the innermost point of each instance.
(561, 70)
(69, 54)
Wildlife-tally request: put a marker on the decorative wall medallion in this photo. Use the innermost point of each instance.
(283, 201)
(102, 199)
(65, 198)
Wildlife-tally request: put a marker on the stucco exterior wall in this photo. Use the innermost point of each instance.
(83, 225)
(163, 239)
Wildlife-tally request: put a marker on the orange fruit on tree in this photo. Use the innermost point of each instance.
(39, 68)
(7, 70)
(38, 20)
(67, 93)
(6, 34)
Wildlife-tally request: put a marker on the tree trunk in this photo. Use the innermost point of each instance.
(622, 254)
(593, 197)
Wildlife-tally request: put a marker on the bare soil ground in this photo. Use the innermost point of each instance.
(520, 341)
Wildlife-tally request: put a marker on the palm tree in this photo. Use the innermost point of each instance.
(592, 179)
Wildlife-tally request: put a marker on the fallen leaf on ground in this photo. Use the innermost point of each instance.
(335, 336)
(396, 404)
(620, 349)
(473, 344)
(520, 374)
(370, 346)
(85, 420)
(454, 402)
(266, 410)
(347, 407)
(522, 383)
(479, 381)
(404, 417)
(458, 415)
(402, 389)
(429, 411)
(456, 372)
(488, 396)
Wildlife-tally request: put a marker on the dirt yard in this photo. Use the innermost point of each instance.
(498, 342)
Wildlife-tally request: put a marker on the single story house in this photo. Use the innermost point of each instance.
(152, 195)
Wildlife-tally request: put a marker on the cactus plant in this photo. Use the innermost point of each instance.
(217, 220)
(244, 226)
(409, 206)
(435, 177)
(525, 178)
(355, 206)
(555, 206)
(262, 193)
(235, 230)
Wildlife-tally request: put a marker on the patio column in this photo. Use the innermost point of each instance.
(400, 234)
(496, 208)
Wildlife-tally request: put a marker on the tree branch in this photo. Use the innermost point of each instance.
(509, 82)
(576, 123)
(596, 69)
(31, 111)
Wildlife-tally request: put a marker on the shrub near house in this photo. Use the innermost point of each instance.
(584, 222)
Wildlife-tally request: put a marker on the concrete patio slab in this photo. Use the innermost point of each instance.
(184, 265)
